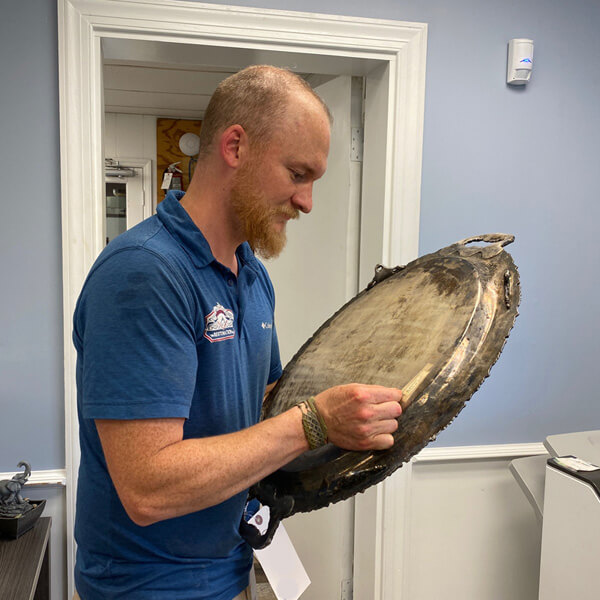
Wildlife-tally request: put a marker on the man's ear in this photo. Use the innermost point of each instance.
(234, 145)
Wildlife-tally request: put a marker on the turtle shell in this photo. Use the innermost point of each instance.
(433, 328)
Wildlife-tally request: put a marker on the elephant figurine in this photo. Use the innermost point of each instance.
(10, 489)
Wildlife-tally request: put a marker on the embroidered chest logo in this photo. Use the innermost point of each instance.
(219, 324)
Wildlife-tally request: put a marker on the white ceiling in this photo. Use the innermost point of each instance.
(177, 80)
(158, 90)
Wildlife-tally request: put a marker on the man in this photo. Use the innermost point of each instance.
(173, 361)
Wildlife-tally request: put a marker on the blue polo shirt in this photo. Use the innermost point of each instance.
(164, 330)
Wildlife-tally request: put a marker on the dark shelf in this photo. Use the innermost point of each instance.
(26, 564)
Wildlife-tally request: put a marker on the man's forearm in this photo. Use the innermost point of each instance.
(193, 474)
(158, 475)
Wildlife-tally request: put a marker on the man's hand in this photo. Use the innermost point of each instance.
(360, 417)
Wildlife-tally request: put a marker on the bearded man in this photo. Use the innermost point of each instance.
(173, 360)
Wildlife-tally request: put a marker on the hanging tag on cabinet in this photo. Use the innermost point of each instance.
(166, 182)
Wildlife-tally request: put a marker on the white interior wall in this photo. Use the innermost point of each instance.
(473, 535)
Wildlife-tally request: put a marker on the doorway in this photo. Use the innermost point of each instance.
(318, 270)
(390, 56)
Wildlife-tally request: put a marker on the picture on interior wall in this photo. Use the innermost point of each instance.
(176, 153)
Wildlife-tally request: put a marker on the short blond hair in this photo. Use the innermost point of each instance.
(255, 98)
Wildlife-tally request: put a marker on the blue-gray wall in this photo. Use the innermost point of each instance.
(31, 346)
(495, 159)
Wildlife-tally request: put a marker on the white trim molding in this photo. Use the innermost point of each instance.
(391, 55)
(57, 477)
(488, 452)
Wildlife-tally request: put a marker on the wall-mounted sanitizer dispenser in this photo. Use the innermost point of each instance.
(520, 61)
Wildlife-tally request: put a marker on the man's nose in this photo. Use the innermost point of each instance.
(302, 199)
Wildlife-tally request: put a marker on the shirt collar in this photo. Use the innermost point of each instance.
(180, 225)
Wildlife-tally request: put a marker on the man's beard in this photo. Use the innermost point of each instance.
(256, 216)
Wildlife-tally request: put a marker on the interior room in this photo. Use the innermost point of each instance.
(429, 145)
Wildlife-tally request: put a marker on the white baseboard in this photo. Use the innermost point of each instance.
(50, 477)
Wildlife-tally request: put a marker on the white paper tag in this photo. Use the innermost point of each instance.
(166, 182)
(280, 561)
(576, 464)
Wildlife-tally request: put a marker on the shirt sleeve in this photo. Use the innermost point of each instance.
(275, 371)
(134, 328)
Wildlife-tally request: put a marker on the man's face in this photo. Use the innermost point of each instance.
(275, 183)
(257, 216)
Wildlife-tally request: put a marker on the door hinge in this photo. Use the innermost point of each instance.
(346, 589)
(356, 145)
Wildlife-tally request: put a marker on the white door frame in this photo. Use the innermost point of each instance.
(394, 107)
